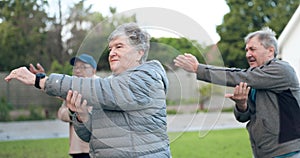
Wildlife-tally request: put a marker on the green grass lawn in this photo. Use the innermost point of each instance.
(232, 143)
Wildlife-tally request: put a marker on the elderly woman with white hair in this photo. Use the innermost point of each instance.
(129, 107)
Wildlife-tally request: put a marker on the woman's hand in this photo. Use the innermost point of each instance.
(22, 74)
(74, 103)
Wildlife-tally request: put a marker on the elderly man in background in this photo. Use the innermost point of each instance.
(84, 65)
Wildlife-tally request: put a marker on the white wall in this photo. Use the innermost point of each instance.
(291, 50)
(289, 42)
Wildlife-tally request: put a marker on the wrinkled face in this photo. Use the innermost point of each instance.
(82, 69)
(257, 54)
(122, 55)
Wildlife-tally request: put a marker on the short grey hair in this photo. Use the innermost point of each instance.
(138, 38)
(266, 37)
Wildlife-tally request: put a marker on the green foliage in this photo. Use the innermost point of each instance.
(171, 102)
(205, 93)
(172, 112)
(248, 16)
(56, 67)
(166, 49)
(207, 90)
(35, 113)
(29, 35)
(5, 108)
(22, 32)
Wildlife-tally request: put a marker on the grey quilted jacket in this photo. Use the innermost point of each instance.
(129, 111)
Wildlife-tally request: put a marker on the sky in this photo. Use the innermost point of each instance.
(208, 14)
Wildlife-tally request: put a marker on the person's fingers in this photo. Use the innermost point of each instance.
(8, 78)
(12, 74)
(179, 60)
(228, 95)
(74, 97)
(69, 96)
(178, 64)
(40, 67)
(68, 101)
(245, 89)
(78, 101)
(248, 90)
(236, 90)
(241, 88)
(188, 55)
(31, 68)
(84, 103)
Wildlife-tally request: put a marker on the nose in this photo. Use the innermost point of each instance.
(248, 54)
(112, 52)
(76, 71)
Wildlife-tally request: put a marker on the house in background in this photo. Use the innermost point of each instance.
(289, 42)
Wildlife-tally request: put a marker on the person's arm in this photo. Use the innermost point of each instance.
(208, 73)
(63, 113)
(80, 115)
(83, 130)
(241, 116)
(274, 75)
(132, 91)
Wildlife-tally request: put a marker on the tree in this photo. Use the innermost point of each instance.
(79, 24)
(166, 49)
(248, 16)
(55, 45)
(22, 32)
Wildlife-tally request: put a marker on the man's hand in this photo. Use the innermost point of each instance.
(74, 103)
(188, 62)
(38, 69)
(240, 96)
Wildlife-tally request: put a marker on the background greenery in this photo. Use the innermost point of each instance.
(28, 34)
(248, 16)
(230, 143)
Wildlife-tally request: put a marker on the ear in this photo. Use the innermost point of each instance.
(140, 54)
(94, 71)
(271, 51)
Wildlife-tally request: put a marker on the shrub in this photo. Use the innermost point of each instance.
(5, 108)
